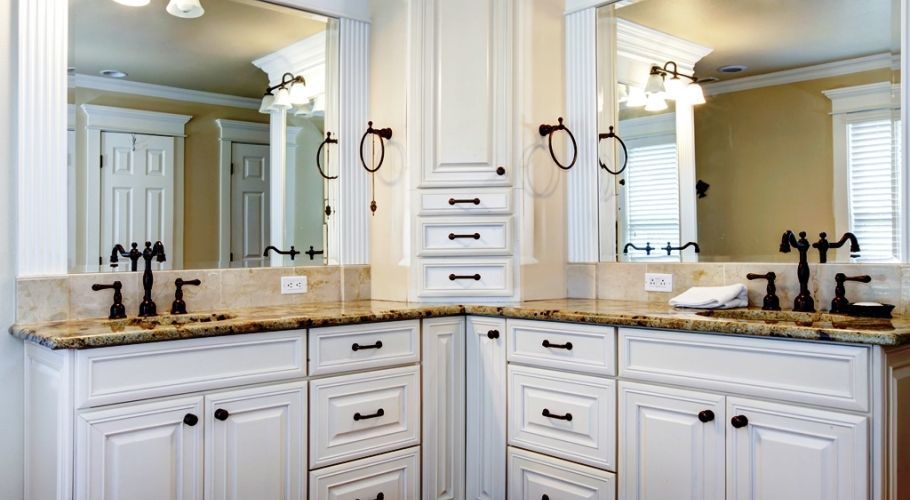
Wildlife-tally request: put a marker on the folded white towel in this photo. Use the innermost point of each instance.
(712, 297)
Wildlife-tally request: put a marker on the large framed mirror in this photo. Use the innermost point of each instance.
(740, 120)
(199, 125)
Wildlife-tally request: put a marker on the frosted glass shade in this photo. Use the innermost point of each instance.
(188, 9)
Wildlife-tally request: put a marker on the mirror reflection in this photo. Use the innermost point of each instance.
(742, 121)
(197, 124)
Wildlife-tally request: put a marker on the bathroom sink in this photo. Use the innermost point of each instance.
(775, 316)
(171, 320)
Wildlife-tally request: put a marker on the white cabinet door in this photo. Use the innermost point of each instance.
(443, 408)
(464, 58)
(486, 409)
(143, 451)
(390, 476)
(671, 443)
(783, 452)
(255, 443)
(534, 477)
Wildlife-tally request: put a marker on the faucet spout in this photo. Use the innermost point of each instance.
(804, 301)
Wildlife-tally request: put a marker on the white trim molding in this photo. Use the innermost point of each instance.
(41, 137)
(351, 9)
(638, 47)
(138, 121)
(815, 72)
(880, 95)
(162, 91)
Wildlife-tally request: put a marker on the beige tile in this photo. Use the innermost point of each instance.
(581, 281)
(786, 281)
(884, 288)
(202, 298)
(685, 276)
(262, 286)
(42, 299)
(621, 281)
(86, 303)
(356, 281)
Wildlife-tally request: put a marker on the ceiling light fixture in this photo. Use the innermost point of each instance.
(290, 91)
(187, 9)
(113, 73)
(133, 3)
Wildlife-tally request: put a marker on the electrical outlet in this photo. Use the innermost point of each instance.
(293, 284)
(655, 282)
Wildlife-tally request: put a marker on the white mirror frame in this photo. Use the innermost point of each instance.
(585, 207)
(42, 204)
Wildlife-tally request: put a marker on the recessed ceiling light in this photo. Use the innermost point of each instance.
(708, 79)
(113, 73)
(133, 3)
(732, 68)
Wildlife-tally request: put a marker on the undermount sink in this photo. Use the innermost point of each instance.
(760, 315)
(172, 320)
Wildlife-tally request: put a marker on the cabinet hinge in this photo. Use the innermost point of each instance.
(232, 169)
(100, 161)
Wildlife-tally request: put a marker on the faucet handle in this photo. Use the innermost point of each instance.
(771, 302)
(840, 303)
(118, 311)
(179, 306)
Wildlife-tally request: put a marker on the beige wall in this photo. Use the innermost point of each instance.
(200, 217)
(767, 154)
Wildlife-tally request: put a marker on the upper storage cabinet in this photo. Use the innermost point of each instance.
(463, 67)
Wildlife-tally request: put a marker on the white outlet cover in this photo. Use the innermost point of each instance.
(293, 284)
(656, 282)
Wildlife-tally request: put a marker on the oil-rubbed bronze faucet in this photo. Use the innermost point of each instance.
(803, 301)
(118, 311)
(147, 307)
(134, 255)
(840, 303)
(823, 245)
(179, 305)
(771, 302)
(293, 253)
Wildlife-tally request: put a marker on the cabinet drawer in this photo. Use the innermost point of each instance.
(354, 416)
(392, 476)
(454, 278)
(357, 347)
(567, 346)
(802, 372)
(564, 415)
(144, 371)
(475, 236)
(465, 201)
(533, 476)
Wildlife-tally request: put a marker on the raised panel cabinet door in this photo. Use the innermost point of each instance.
(255, 443)
(443, 401)
(784, 452)
(533, 477)
(141, 451)
(485, 473)
(464, 58)
(671, 443)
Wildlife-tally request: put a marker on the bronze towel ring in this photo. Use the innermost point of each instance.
(548, 130)
(384, 134)
(625, 152)
(328, 140)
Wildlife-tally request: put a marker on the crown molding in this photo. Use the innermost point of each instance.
(815, 72)
(162, 91)
(112, 119)
(300, 57)
(640, 44)
(240, 131)
(880, 95)
(351, 9)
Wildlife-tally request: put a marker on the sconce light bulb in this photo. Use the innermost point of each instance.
(676, 88)
(695, 94)
(655, 84)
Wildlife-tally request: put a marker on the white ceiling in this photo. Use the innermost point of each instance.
(773, 35)
(212, 53)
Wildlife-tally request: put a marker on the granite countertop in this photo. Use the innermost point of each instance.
(89, 333)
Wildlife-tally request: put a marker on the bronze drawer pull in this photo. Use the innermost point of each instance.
(357, 347)
(567, 346)
(452, 236)
(454, 201)
(380, 496)
(379, 413)
(475, 277)
(567, 417)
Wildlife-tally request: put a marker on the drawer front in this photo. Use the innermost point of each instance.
(564, 346)
(533, 476)
(564, 415)
(144, 371)
(354, 416)
(476, 236)
(466, 201)
(392, 476)
(455, 278)
(358, 347)
(803, 372)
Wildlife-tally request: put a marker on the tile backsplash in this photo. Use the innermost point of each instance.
(625, 281)
(54, 298)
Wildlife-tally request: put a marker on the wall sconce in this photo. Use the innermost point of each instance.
(664, 83)
(289, 92)
(384, 134)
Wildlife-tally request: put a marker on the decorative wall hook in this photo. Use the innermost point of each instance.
(328, 140)
(625, 152)
(383, 134)
(548, 130)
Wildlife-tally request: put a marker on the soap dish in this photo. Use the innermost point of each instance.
(870, 309)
